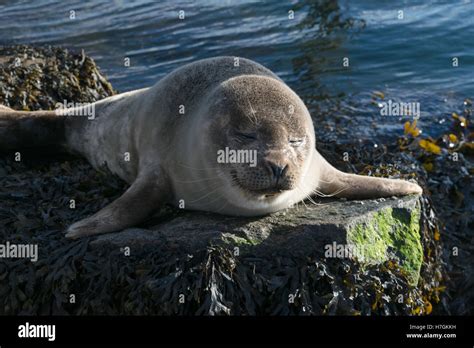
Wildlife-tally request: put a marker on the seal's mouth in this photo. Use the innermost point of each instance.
(270, 192)
(267, 193)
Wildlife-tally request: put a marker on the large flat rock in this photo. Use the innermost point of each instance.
(371, 231)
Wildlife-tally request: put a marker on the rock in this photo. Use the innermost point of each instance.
(372, 232)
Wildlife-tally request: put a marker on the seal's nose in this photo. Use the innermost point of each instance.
(277, 170)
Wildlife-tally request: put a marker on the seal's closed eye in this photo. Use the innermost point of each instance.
(247, 136)
(296, 142)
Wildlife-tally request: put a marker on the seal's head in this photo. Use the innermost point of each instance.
(262, 135)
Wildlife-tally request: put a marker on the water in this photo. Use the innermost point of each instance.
(409, 59)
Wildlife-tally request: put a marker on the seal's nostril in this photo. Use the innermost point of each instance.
(278, 171)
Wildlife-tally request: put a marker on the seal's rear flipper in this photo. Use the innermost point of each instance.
(30, 129)
(142, 199)
(333, 182)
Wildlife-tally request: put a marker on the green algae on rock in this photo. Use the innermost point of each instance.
(391, 232)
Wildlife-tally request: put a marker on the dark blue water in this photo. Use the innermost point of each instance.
(409, 59)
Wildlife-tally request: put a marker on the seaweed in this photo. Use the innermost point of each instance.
(38, 78)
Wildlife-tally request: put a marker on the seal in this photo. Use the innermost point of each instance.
(223, 135)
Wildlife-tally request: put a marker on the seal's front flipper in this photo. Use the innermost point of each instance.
(142, 199)
(333, 182)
